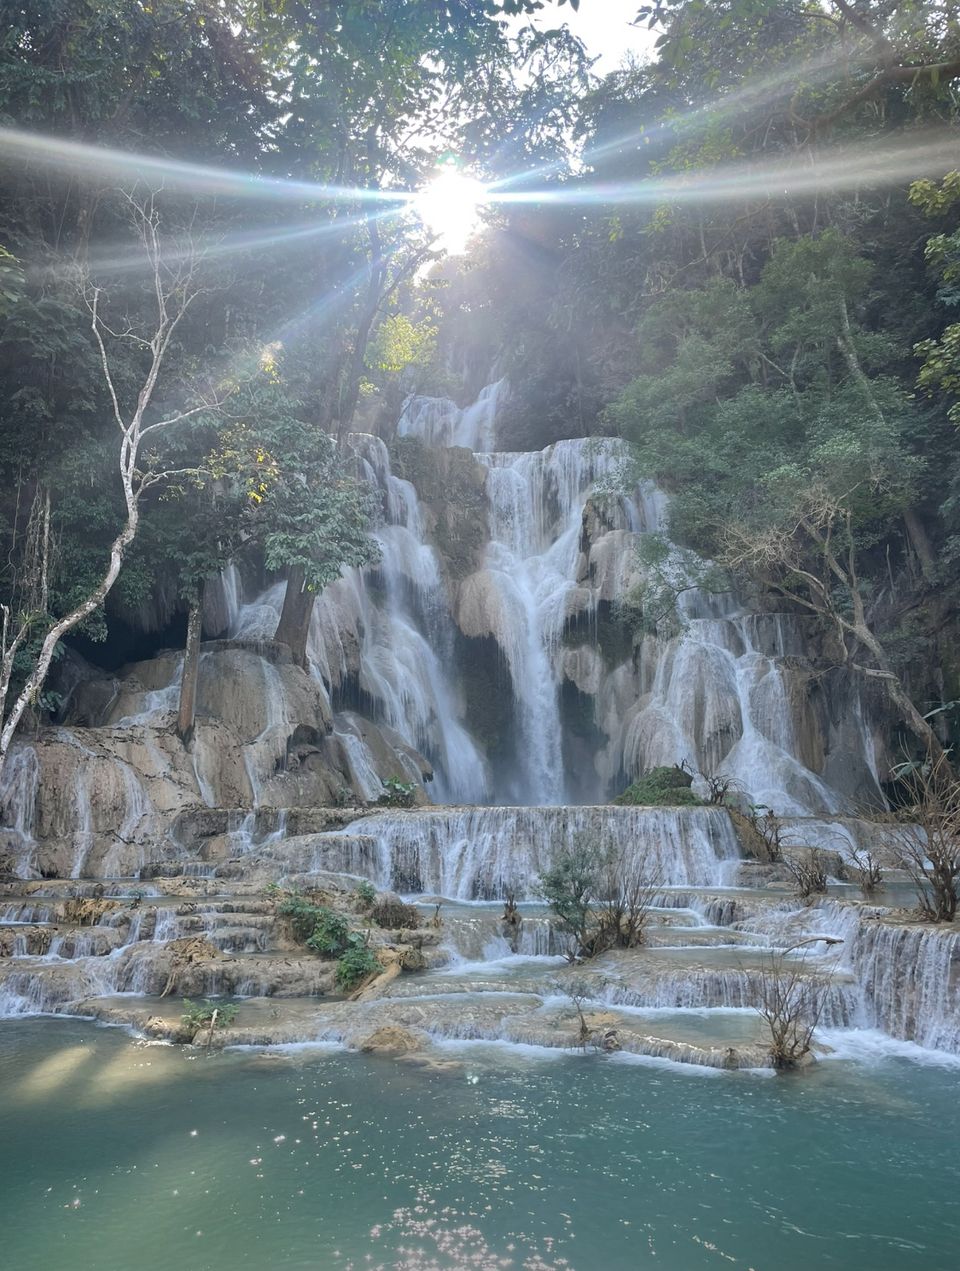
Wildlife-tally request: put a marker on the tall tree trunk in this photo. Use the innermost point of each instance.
(920, 543)
(294, 625)
(191, 673)
(375, 285)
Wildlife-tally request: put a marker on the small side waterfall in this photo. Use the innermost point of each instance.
(18, 798)
(909, 975)
(440, 422)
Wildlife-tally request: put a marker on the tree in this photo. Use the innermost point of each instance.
(300, 504)
(30, 631)
(599, 900)
(941, 356)
(792, 999)
(877, 48)
(923, 837)
(766, 413)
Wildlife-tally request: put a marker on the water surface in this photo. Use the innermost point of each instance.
(120, 1155)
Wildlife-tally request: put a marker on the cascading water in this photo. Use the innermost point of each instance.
(536, 510)
(400, 638)
(439, 422)
(18, 797)
(717, 695)
(480, 853)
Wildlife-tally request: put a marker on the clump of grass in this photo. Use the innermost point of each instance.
(207, 1013)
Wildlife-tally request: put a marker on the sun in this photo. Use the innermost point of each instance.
(449, 206)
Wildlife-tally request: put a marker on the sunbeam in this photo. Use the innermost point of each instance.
(839, 169)
(211, 248)
(75, 156)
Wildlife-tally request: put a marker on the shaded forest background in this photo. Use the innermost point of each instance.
(742, 257)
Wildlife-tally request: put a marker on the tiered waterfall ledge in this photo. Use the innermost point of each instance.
(129, 950)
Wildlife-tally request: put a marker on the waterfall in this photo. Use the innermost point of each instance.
(440, 422)
(727, 693)
(18, 798)
(908, 975)
(157, 702)
(389, 627)
(363, 775)
(719, 701)
(536, 507)
(486, 853)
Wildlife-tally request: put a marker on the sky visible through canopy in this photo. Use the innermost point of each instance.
(605, 28)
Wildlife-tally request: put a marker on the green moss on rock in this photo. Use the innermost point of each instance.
(661, 787)
(450, 485)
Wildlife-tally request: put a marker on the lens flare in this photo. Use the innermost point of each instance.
(449, 207)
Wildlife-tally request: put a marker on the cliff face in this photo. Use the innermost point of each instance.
(113, 788)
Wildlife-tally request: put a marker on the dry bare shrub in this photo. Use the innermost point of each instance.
(868, 871)
(393, 914)
(923, 836)
(791, 1005)
(809, 872)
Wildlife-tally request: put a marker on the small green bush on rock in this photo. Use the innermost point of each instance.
(661, 787)
(330, 934)
(356, 963)
(365, 894)
(397, 793)
(302, 914)
(316, 926)
(198, 1014)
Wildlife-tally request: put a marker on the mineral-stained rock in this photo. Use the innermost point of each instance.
(391, 1039)
(85, 911)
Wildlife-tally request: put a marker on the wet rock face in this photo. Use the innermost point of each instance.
(450, 484)
(114, 789)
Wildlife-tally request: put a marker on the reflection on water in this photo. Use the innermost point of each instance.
(119, 1154)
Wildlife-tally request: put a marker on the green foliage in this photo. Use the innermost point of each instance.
(661, 787)
(398, 793)
(401, 343)
(202, 1014)
(316, 926)
(330, 934)
(302, 914)
(357, 963)
(940, 371)
(365, 894)
(291, 492)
